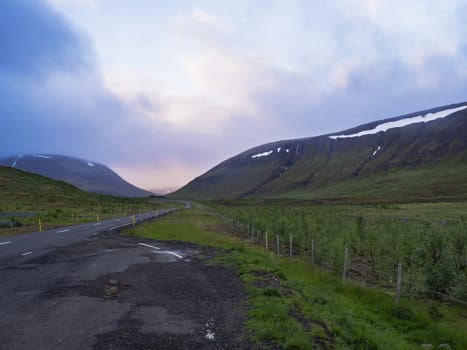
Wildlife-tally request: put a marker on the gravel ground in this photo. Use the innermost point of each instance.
(111, 292)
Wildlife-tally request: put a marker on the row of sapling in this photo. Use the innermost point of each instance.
(432, 252)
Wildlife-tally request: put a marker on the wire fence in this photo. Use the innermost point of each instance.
(389, 276)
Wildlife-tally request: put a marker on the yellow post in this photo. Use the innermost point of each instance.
(40, 225)
(140, 212)
(134, 220)
(97, 217)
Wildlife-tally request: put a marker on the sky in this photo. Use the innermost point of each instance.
(161, 91)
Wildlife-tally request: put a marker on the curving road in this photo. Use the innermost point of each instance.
(17, 249)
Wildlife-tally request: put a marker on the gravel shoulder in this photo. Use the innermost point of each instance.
(112, 292)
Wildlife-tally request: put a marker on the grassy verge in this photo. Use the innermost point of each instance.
(293, 306)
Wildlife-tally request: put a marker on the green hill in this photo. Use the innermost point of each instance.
(415, 162)
(25, 197)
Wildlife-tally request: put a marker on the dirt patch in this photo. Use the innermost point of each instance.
(323, 341)
(266, 279)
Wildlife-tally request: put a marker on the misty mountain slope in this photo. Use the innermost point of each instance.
(88, 176)
(420, 160)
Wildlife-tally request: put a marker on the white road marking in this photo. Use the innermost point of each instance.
(163, 251)
(172, 253)
(27, 253)
(62, 231)
(3, 243)
(97, 223)
(150, 246)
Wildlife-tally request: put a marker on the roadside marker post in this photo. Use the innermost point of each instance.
(157, 213)
(40, 225)
(266, 239)
(134, 220)
(97, 217)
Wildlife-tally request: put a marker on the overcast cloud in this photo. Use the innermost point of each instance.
(162, 91)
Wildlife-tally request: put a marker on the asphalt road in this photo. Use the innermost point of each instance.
(88, 287)
(18, 248)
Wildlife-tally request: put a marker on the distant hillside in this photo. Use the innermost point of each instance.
(86, 175)
(417, 156)
(25, 191)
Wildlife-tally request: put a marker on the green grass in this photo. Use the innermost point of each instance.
(295, 306)
(441, 182)
(57, 203)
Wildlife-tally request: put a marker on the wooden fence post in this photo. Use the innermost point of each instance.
(291, 246)
(266, 239)
(312, 252)
(398, 286)
(277, 245)
(346, 252)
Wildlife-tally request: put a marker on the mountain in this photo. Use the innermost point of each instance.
(418, 156)
(86, 175)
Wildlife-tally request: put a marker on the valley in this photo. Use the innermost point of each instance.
(352, 240)
(233, 175)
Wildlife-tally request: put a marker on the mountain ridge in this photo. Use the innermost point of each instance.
(86, 175)
(301, 167)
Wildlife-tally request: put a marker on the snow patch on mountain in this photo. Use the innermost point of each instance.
(264, 154)
(16, 161)
(42, 156)
(376, 151)
(402, 122)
